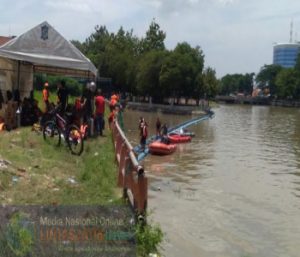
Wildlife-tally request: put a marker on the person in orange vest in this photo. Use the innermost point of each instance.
(46, 96)
(99, 113)
(113, 101)
(113, 114)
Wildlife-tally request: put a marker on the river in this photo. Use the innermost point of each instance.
(234, 190)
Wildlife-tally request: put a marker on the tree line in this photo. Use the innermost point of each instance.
(281, 83)
(236, 83)
(143, 66)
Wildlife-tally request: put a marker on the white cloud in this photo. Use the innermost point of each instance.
(224, 2)
(236, 35)
(193, 1)
(69, 5)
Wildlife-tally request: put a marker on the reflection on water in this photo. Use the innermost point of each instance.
(235, 189)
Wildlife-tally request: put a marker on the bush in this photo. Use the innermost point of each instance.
(148, 239)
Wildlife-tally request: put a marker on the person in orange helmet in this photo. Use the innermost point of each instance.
(113, 101)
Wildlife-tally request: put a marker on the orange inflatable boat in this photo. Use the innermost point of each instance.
(160, 148)
(175, 139)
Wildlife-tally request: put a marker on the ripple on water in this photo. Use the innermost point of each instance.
(235, 189)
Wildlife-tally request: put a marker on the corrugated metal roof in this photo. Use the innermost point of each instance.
(4, 40)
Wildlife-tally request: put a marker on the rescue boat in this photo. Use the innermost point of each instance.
(185, 133)
(175, 139)
(160, 148)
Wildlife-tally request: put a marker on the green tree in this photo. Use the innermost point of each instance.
(121, 60)
(114, 55)
(286, 83)
(95, 47)
(144, 65)
(80, 46)
(247, 84)
(171, 76)
(180, 70)
(297, 69)
(297, 65)
(237, 83)
(229, 84)
(148, 75)
(154, 39)
(210, 82)
(191, 62)
(267, 76)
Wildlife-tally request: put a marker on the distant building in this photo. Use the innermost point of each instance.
(286, 55)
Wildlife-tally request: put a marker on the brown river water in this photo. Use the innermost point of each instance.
(234, 190)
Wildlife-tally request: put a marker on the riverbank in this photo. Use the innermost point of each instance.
(33, 172)
(169, 109)
(257, 101)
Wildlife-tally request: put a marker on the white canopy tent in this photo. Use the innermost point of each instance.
(48, 52)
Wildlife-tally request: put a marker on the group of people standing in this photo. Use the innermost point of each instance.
(161, 132)
(91, 107)
(87, 111)
(62, 95)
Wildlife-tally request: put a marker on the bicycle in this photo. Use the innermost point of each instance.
(58, 127)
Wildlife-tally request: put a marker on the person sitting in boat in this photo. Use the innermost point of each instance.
(164, 134)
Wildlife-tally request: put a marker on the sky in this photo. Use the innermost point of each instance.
(236, 36)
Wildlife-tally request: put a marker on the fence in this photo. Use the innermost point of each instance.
(131, 176)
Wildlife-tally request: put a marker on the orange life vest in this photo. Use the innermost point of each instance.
(45, 94)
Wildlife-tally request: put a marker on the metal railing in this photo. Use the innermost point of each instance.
(131, 176)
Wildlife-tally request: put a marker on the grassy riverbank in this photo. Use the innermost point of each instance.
(33, 172)
(37, 173)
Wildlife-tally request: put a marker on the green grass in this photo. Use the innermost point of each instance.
(39, 173)
(148, 237)
(46, 172)
(49, 171)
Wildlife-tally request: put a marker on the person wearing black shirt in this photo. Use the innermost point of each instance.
(62, 95)
(164, 134)
(158, 127)
(88, 100)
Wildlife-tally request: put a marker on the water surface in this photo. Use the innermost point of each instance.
(234, 190)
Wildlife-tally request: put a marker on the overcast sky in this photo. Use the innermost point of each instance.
(236, 36)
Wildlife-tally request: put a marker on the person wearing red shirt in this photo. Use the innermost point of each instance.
(99, 113)
(144, 135)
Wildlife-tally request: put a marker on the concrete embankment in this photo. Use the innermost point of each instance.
(286, 103)
(171, 109)
(257, 101)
